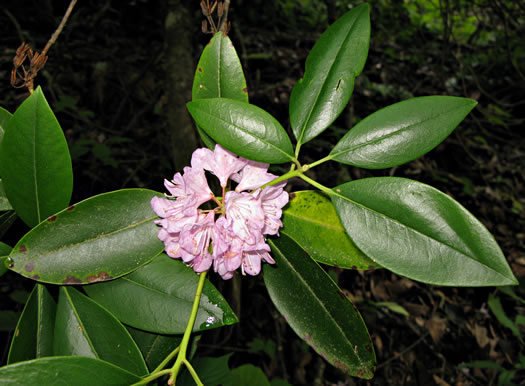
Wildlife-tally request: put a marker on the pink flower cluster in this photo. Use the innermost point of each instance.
(231, 235)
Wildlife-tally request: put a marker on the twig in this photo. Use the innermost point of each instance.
(224, 23)
(60, 27)
(37, 61)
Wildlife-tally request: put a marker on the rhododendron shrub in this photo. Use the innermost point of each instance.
(131, 265)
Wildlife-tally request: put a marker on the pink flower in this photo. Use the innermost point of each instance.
(253, 176)
(245, 216)
(251, 262)
(195, 241)
(231, 235)
(273, 198)
(220, 162)
(196, 185)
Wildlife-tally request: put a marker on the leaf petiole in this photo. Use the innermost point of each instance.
(322, 160)
(322, 188)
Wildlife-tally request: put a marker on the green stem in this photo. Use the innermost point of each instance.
(181, 358)
(297, 149)
(317, 185)
(327, 158)
(286, 176)
(152, 377)
(166, 360)
(193, 373)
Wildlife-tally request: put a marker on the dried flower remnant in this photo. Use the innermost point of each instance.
(231, 235)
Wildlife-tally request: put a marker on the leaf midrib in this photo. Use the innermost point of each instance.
(328, 73)
(155, 290)
(85, 241)
(229, 123)
(81, 324)
(310, 220)
(423, 235)
(219, 58)
(33, 149)
(392, 134)
(318, 299)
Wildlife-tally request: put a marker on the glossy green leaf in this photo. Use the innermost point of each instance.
(212, 372)
(317, 310)
(33, 337)
(243, 128)
(3, 265)
(419, 232)
(219, 72)
(4, 251)
(4, 202)
(84, 328)
(34, 161)
(158, 297)
(311, 221)
(206, 139)
(71, 370)
(154, 347)
(98, 239)
(331, 67)
(5, 116)
(401, 132)
(219, 75)
(6, 220)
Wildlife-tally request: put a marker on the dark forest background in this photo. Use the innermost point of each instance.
(118, 79)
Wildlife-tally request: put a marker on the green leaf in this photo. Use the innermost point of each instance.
(401, 132)
(249, 375)
(335, 61)
(311, 221)
(482, 364)
(206, 139)
(98, 239)
(394, 307)
(158, 298)
(4, 251)
(33, 337)
(497, 309)
(35, 163)
(219, 75)
(265, 346)
(219, 72)
(419, 232)
(6, 220)
(71, 370)
(243, 128)
(505, 378)
(154, 347)
(211, 371)
(510, 292)
(84, 328)
(5, 116)
(4, 202)
(317, 310)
